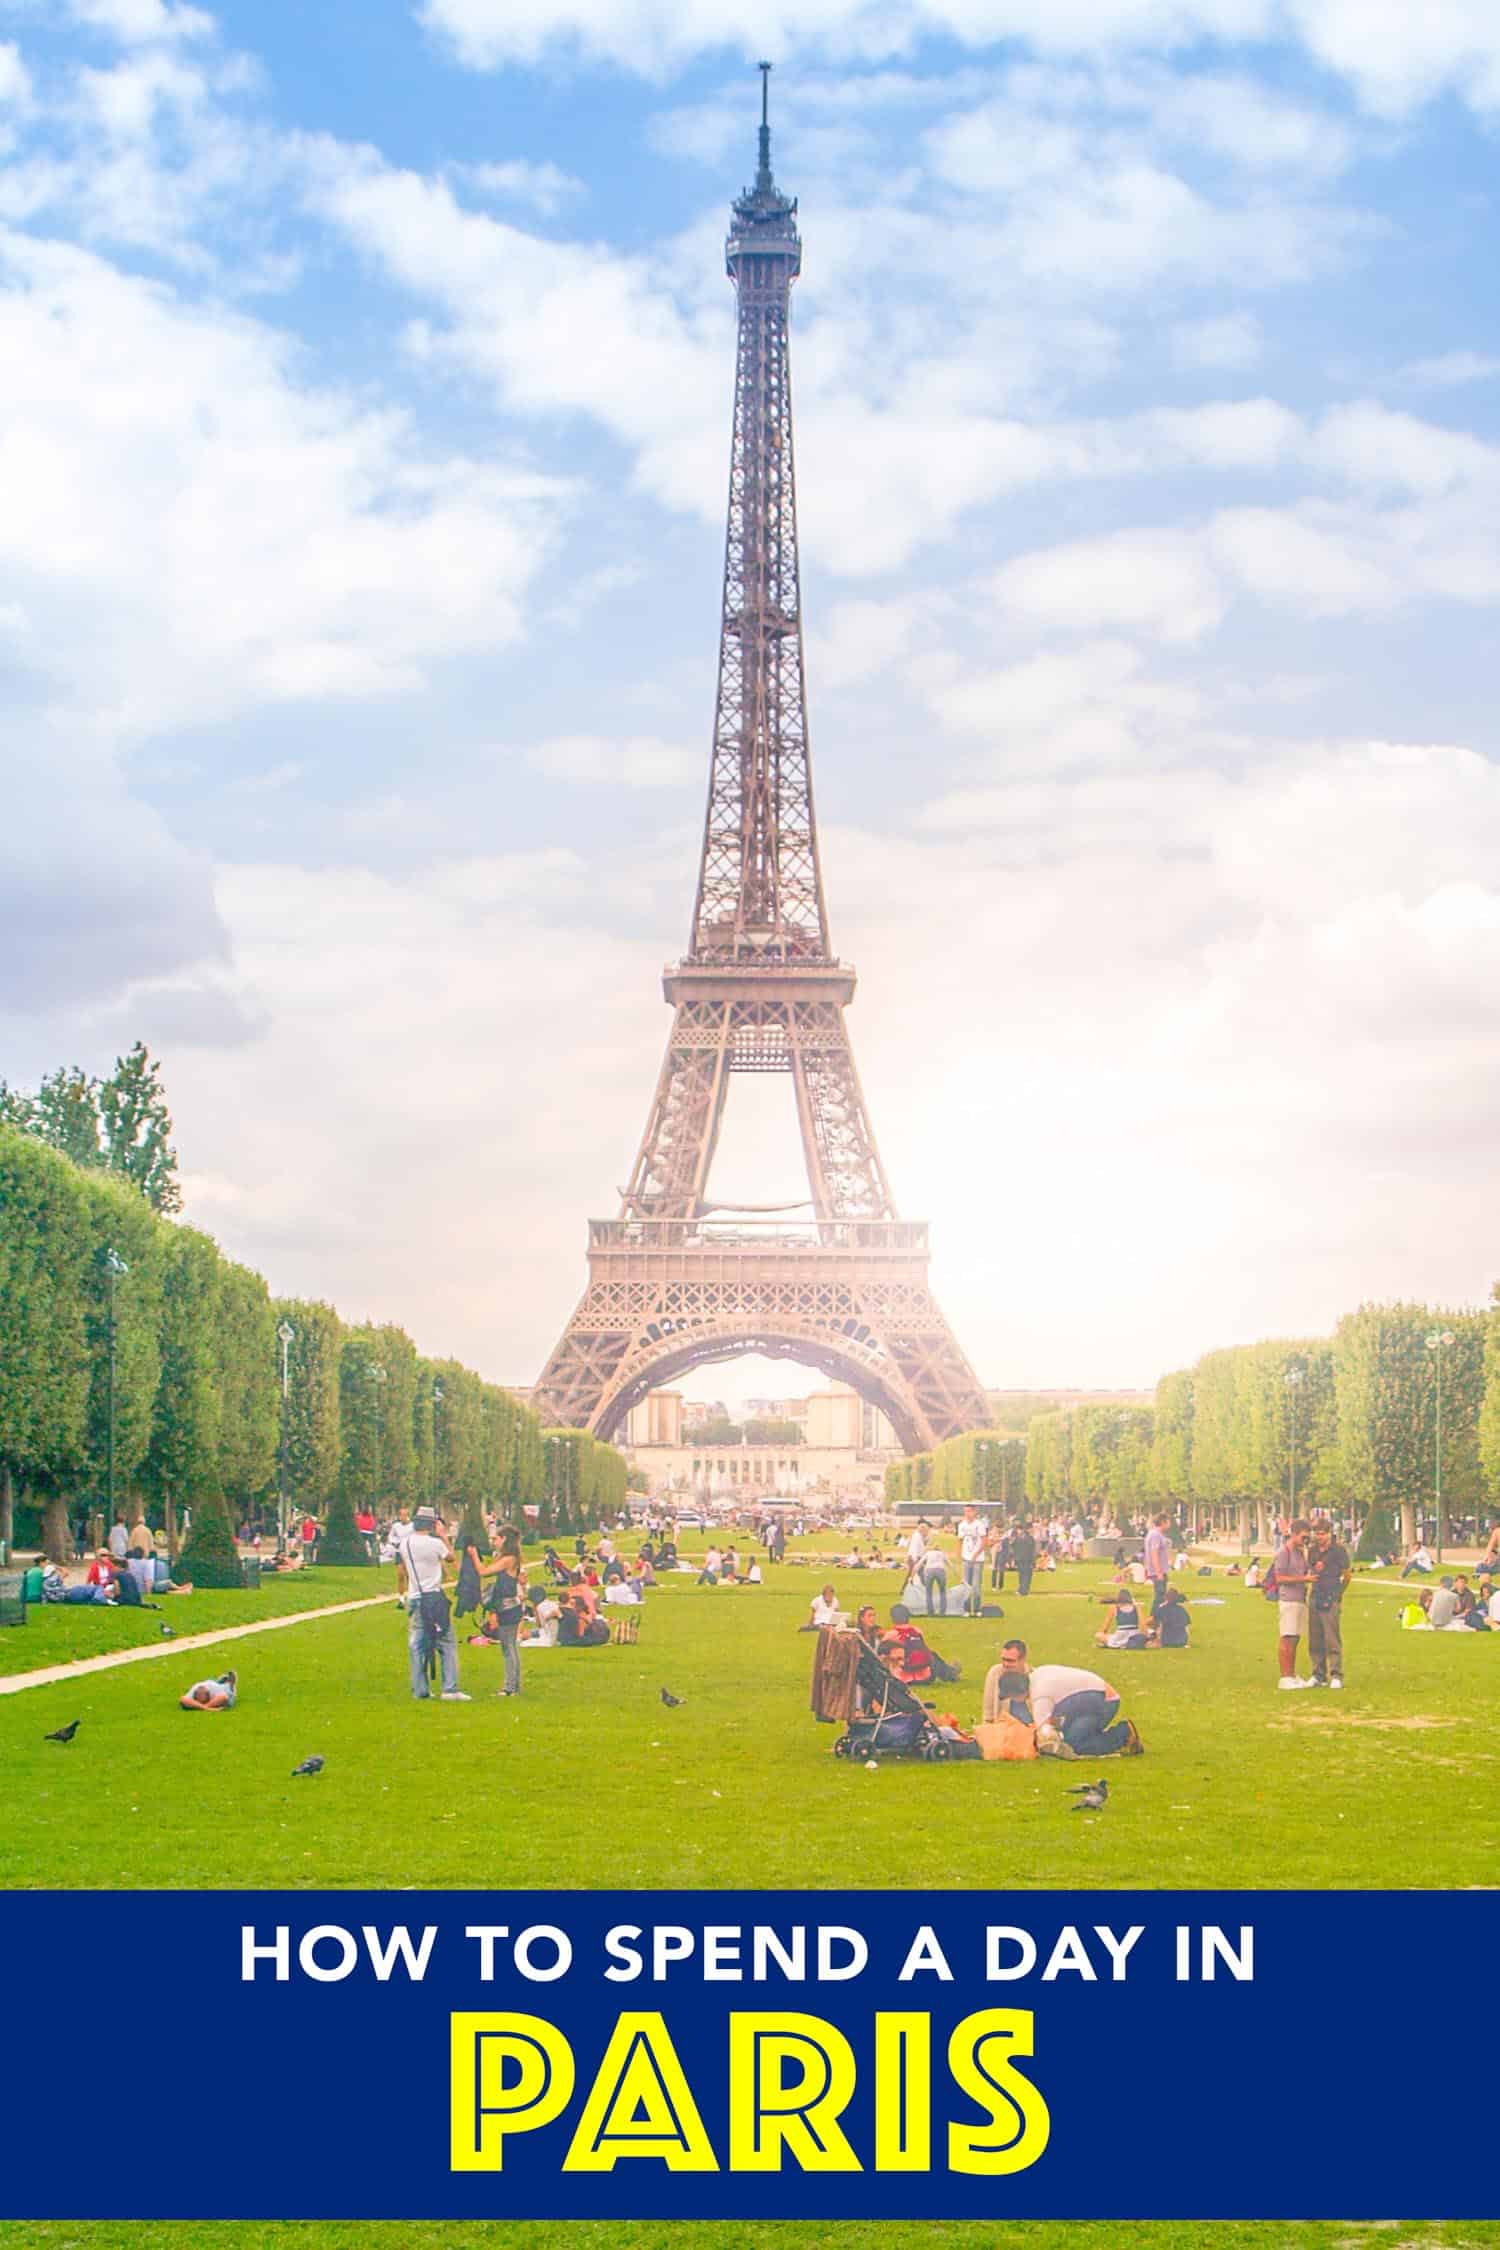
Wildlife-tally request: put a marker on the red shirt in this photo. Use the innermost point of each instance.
(100, 1574)
(309, 1528)
(364, 1521)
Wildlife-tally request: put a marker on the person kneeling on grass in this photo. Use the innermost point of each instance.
(1077, 1713)
(211, 1695)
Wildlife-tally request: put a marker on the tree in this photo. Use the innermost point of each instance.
(1169, 1471)
(340, 1543)
(377, 1399)
(1386, 1383)
(65, 1115)
(313, 1429)
(136, 1128)
(249, 1392)
(120, 1123)
(773, 1430)
(44, 1363)
(1489, 1411)
(182, 1457)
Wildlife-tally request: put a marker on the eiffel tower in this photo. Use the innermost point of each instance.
(677, 1281)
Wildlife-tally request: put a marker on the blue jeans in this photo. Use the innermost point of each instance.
(936, 1586)
(447, 1655)
(974, 1584)
(1089, 1723)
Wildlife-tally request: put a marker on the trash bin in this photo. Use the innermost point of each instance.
(12, 1597)
(252, 1571)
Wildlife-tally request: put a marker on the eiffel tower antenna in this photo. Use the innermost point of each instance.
(674, 1281)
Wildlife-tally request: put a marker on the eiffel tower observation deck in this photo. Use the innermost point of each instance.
(839, 1282)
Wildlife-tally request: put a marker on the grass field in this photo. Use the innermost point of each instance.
(785, 2234)
(588, 1782)
(60, 1633)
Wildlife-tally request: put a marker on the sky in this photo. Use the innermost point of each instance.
(365, 376)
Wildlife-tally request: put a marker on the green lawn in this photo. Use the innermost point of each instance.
(784, 2234)
(604, 1788)
(59, 1632)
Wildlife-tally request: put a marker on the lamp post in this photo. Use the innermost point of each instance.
(114, 1265)
(286, 1336)
(1438, 1344)
(438, 1395)
(1293, 1380)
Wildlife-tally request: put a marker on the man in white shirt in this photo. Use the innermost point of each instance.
(1082, 1708)
(419, 1574)
(972, 1534)
(916, 1547)
(713, 1563)
(119, 1541)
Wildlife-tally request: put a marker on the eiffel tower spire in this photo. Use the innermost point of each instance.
(674, 1282)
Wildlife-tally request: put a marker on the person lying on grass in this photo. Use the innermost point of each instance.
(211, 1695)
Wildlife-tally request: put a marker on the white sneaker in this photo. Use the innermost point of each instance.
(1336, 1683)
(1315, 1683)
(1285, 1684)
(455, 1695)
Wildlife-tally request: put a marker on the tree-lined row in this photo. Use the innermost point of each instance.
(982, 1465)
(91, 1277)
(1348, 1422)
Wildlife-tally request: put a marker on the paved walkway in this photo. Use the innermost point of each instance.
(177, 1646)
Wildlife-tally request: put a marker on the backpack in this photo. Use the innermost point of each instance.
(1270, 1586)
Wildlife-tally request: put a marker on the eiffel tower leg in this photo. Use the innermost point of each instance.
(843, 1162)
(672, 1164)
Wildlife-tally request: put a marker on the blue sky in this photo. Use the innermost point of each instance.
(366, 390)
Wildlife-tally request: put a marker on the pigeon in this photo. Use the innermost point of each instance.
(168, 1632)
(64, 1734)
(672, 1702)
(1092, 1796)
(308, 1765)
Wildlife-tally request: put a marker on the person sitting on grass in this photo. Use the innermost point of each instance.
(825, 1611)
(1125, 1629)
(905, 1650)
(1419, 1559)
(867, 1625)
(577, 1627)
(211, 1695)
(1441, 1604)
(1169, 1627)
(713, 1563)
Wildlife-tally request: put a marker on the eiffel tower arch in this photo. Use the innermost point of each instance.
(841, 1282)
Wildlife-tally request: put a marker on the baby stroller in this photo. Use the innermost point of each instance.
(890, 1719)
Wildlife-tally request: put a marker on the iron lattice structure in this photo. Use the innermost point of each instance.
(673, 1282)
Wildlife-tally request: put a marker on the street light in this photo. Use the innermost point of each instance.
(438, 1395)
(114, 1265)
(375, 1373)
(1438, 1343)
(286, 1336)
(1293, 1381)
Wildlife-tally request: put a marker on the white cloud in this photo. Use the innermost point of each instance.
(1393, 55)
(1224, 340)
(1451, 370)
(538, 187)
(634, 762)
(190, 530)
(1157, 583)
(143, 23)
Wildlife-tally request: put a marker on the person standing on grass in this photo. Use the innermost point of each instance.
(972, 1535)
(309, 1537)
(1325, 1607)
(916, 1547)
(1023, 1555)
(935, 1579)
(505, 1602)
(419, 1581)
(1158, 1560)
(1293, 1575)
